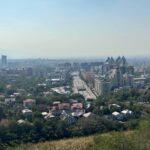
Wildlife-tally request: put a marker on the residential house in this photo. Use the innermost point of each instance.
(75, 106)
(118, 116)
(64, 106)
(27, 112)
(29, 103)
(10, 100)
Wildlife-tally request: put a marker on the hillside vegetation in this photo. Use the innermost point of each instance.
(130, 140)
(66, 144)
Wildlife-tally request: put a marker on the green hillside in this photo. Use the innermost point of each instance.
(66, 144)
(130, 140)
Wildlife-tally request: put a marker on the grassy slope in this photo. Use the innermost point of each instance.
(109, 141)
(112, 141)
(129, 140)
(66, 144)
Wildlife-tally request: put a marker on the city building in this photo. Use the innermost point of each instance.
(99, 86)
(139, 82)
(4, 60)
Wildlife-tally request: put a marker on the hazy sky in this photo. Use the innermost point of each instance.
(74, 28)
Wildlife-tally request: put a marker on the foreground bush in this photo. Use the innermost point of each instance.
(130, 140)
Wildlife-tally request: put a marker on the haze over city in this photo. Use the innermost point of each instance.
(74, 74)
(74, 28)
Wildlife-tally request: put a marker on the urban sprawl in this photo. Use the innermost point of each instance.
(89, 96)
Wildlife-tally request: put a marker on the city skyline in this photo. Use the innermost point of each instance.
(74, 29)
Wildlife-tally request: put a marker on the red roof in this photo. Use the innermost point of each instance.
(77, 106)
(29, 100)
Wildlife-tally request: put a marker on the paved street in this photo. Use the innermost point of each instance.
(80, 87)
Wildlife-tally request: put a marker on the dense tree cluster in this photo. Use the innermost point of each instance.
(41, 130)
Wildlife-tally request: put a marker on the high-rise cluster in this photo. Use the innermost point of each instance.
(114, 74)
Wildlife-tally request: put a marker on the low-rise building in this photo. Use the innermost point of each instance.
(29, 103)
(139, 82)
(77, 106)
(126, 112)
(55, 80)
(10, 100)
(44, 114)
(116, 115)
(78, 113)
(21, 121)
(16, 94)
(64, 106)
(55, 105)
(2, 96)
(27, 112)
(114, 107)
